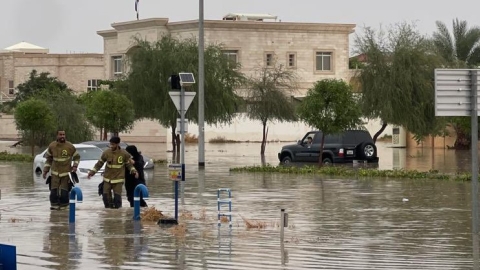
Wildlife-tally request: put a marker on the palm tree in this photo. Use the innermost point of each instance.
(461, 48)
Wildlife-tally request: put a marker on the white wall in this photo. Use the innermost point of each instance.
(244, 129)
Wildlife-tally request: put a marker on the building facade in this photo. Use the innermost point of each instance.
(315, 51)
(80, 72)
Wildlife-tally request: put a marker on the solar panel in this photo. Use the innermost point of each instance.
(186, 78)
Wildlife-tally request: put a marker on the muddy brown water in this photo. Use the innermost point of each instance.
(333, 223)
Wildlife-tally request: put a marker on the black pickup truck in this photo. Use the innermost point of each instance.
(338, 148)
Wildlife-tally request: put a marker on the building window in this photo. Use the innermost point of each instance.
(117, 65)
(93, 85)
(269, 59)
(324, 61)
(292, 60)
(232, 55)
(11, 88)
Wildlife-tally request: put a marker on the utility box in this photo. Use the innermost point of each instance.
(399, 137)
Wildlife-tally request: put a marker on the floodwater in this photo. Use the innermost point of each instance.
(333, 223)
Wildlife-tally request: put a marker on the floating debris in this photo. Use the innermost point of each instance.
(151, 214)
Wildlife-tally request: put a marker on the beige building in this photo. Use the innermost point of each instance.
(315, 50)
(79, 71)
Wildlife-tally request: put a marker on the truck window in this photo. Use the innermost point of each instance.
(317, 138)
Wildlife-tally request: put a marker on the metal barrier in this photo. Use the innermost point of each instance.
(75, 192)
(8, 257)
(139, 190)
(227, 201)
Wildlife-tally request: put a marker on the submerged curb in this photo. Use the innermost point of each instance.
(6, 156)
(357, 172)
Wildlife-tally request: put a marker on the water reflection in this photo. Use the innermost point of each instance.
(60, 242)
(114, 230)
(335, 223)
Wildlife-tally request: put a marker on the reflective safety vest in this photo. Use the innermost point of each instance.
(59, 158)
(115, 163)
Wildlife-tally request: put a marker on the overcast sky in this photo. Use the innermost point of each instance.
(71, 25)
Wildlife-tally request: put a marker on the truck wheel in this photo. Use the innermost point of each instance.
(286, 160)
(368, 150)
(327, 160)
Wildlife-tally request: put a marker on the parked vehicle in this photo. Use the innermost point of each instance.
(89, 155)
(338, 148)
(149, 164)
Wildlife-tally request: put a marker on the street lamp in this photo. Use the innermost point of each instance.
(182, 101)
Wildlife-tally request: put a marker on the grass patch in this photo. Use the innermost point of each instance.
(220, 139)
(360, 172)
(191, 138)
(5, 156)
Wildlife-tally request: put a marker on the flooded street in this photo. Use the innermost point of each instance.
(333, 223)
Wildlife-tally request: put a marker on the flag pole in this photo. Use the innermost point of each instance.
(136, 8)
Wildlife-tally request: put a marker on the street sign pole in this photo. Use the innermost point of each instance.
(474, 152)
(182, 101)
(456, 94)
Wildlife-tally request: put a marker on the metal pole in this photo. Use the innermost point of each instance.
(282, 244)
(201, 90)
(474, 150)
(282, 220)
(182, 146)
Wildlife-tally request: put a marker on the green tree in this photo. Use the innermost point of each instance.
(38, 83)
(460, 49)
(397, 80)
(269, 97)
(34, 117)
(69, 116)
(331, 107)
(109, 110)
(68, 113)
(152, 64)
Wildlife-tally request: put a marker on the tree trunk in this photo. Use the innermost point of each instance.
(104, 134)
(178, 142)
(263, 160)
(264, 138)
(174, 140)
(101, 132)
(463, 141)
(375, 137)
(32, 144)
(320, 159)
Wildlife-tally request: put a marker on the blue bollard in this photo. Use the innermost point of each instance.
(75, 192)
(139, 190)
(8, 257)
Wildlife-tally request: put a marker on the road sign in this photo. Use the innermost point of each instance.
(453, 91)
(176, 97)
(175, 172)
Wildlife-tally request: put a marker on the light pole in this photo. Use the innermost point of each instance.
(201, 89)
(182, 101)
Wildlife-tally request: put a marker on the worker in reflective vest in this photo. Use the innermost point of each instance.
(59, 157)
(116, 160)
